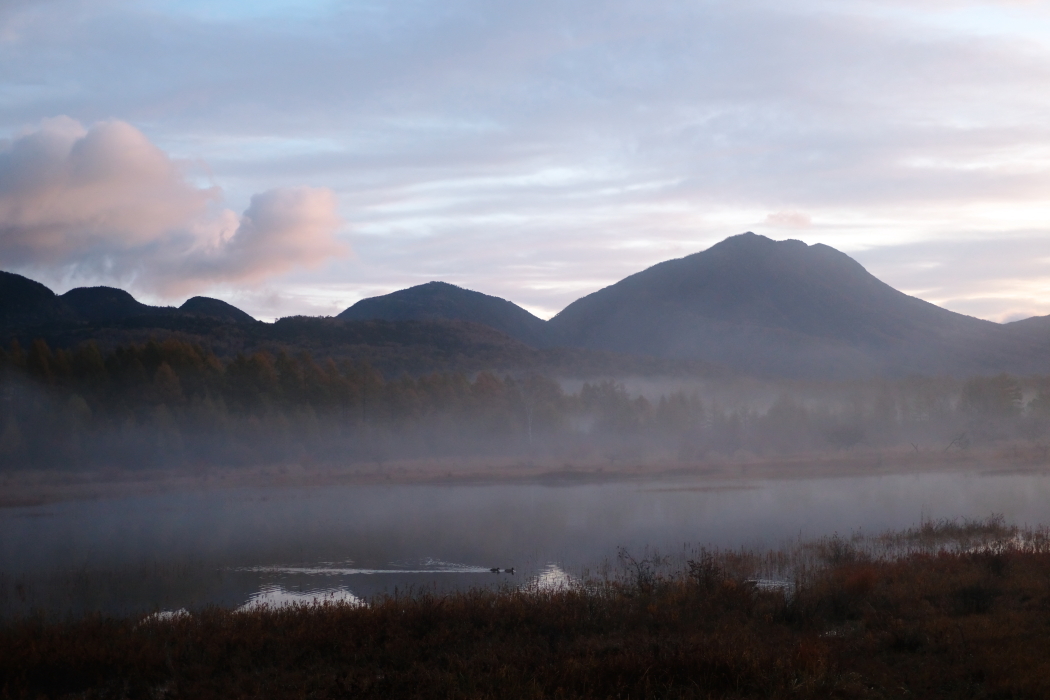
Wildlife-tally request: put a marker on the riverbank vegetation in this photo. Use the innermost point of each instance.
(173, 404)
(946, 610)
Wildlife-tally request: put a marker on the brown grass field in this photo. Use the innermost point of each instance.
(946, 610)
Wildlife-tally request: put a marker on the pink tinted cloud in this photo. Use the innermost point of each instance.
(106, 204)
(789, 219)
(66, 191)
(282, 229)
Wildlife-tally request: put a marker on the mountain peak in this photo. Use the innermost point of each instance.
(443, 301)
(215, 308)
(97, 304)
(23, 300)
(752, 240)
(780, 307)
(753, 244)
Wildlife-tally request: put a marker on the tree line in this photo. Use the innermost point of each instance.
(176, 403)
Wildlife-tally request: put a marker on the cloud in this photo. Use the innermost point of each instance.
(105, 204)
(67, 193)
(1004, 279)
(789, 219)
(281, 230)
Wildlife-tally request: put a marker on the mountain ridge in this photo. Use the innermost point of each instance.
(25, 302)
(749, 304)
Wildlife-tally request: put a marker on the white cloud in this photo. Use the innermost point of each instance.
(67, 193)
(282, 229)
(104, 204)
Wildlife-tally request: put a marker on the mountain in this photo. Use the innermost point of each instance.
(112, 317)
(442, 301)
(1035, 328)
(100, 304)
(749, 305)
(786, 308)
(23, 301)
(215, 308)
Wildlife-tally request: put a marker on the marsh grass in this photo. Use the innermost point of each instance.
(117, 590)
(947, 610)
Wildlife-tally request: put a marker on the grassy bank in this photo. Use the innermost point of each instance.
(942, 611)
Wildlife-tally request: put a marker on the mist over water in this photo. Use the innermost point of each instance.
(229, 547)
(444, 477)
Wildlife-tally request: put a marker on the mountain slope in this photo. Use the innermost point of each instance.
(750, 304)
(112, 317)
(23, 301)
(442, 301)
(215, 308)
(98, 304)
(785, 308)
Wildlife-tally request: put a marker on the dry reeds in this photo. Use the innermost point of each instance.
(864, 618)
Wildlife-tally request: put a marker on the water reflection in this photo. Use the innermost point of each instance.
(552, 578)
(271, 596)
(226, 547)
(327, 569)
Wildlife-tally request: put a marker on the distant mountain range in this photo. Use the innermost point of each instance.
(750, 304)
(24, 303)
(405, 343)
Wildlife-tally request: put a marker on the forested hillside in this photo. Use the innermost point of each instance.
(174, 403)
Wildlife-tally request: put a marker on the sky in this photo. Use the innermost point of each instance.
(295, 157)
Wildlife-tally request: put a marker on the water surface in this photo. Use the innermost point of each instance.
(233, 547)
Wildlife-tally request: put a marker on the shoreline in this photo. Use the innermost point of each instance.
(29, 488)
(969, 621)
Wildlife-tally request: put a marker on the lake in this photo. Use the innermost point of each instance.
(237, 547)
